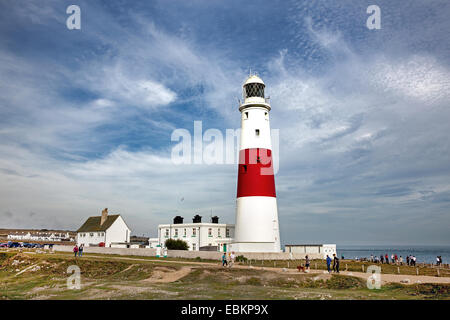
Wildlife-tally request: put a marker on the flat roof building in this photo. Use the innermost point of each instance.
(205, 236)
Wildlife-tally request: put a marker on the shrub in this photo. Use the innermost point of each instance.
(344, 282)
(241, 259)
(172, 244)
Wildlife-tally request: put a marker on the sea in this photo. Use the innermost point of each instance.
(423, 253)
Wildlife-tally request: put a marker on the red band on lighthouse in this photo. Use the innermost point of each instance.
(255, 176)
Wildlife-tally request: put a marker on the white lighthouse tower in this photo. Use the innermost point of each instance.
(256, 227)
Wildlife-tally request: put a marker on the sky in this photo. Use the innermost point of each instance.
(86, 116)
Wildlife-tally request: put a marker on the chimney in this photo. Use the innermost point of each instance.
(215, 219)
(178, 220)
(104, 216)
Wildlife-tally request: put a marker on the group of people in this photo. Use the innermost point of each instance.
(335, 263)
(78, 250)
(394, 259)
(411, 260)
(228, 260)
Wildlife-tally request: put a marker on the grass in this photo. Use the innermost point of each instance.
(350, 265)
(113, 278)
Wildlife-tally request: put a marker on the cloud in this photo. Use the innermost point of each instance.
(363, 116)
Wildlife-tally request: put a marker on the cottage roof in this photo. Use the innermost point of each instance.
(93, 223)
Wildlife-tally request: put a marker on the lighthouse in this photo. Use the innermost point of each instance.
(256, 228)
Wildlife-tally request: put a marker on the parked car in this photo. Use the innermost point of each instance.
(27, 245)
(38, 245)
(14, 245)
(3, 245)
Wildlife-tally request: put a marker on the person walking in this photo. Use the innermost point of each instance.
(75, 250)
(386, 257)
(414, 260)
(400, 260)
(307, 262)
(335, 263)
(224, 260)
(407, 260)
(328, 264)
(381, 259)
(80, 250)
(232, 258)
(396, 259)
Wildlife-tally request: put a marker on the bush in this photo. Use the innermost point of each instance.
(241, 259)
(172, 244)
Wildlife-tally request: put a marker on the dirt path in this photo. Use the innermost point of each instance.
(385, 277)
(165, 276)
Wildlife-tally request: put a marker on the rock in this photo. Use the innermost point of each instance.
(405, 281)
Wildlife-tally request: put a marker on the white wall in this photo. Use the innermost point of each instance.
(258, 118)
(117, 232)
(201, 238)
(87, 240)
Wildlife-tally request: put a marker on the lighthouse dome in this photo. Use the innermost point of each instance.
(253, 87)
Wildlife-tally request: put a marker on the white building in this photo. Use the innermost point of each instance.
(198, 235)
(314, 250)
(105, 230)
(153, 242)
(40, 236)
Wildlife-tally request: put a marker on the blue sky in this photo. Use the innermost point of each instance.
(86, 115)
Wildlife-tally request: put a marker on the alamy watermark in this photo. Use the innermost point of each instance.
(374, 280)
(74, 20)
(74, 280)
(215, 147)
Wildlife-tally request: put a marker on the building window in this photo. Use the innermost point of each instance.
(194, 232)
(209, 232)
(184, 232)
(99, 234)
(227, 233)
(176, 232)
(218, 232)
(91, 234)
(194, 247)
(167, 233)
(257, 132)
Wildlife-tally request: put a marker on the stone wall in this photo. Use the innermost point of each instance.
(143, 252)
(211, 255)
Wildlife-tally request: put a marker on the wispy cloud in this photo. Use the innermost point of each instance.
(86, 118)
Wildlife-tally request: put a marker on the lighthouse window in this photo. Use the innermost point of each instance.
(257, 132)
(244, 168)
(246, 115)
(266, 115)
(254, 90)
